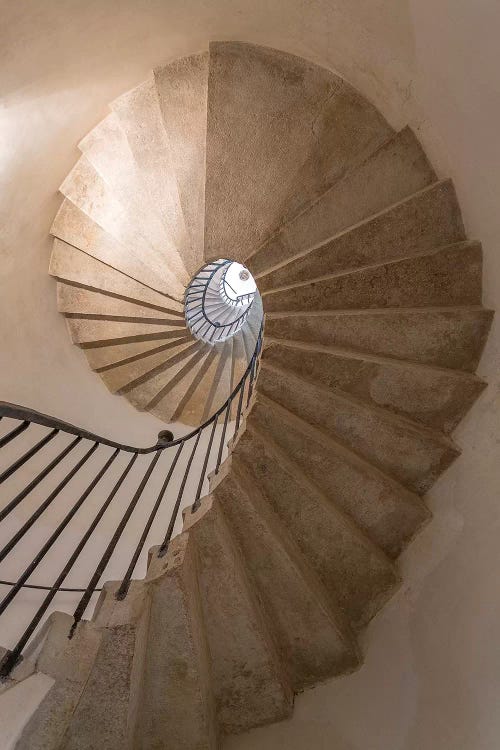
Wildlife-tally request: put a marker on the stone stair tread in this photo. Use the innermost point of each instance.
(358, 576)
(435, 397)
(314, 640)
(448, 276)
(386, 511)
(181, 88)
(74, 300)
(236, 630)
(396, 169)
(412, 454)
(89, 332)
(421, 335)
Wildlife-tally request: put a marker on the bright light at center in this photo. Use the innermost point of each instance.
(236, 286)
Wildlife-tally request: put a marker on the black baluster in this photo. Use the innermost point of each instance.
(196, 503)
(14, 433)
(223, 436)
(26, 456)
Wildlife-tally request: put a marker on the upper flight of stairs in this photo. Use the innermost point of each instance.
(373, 330)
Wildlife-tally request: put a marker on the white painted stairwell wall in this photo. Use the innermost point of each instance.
(432, 672)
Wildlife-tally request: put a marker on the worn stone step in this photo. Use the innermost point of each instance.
(385, 510)
(74, 227)
(412, 454)
(355, 572)
(250, 684)
(175, 707)
(195, 402)
(139, 115)
(435, 397)
(451, 337)
(427, 220)
(87, 190)
(314, 639)
(88, 333)
(449, 276)
(182, 88)
(74, 300)
(107, 149)
(104, 358)
(301, 139)
(119, 377)
(69, 264)
(395, 170)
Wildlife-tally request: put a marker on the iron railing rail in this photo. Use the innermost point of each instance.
(165, 442)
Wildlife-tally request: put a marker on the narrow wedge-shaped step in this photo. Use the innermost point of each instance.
(139, 115)
(357, 575)
(87, 190)
(427, 220)
(69, 663)
(445, 337)
(74, 227)
(104, 358)
(386, 511)
(314, 639)
(175, 706)
(106, 147)
(74, 300)
(435, 397)
(221, 386)
(87, 332)
(104, 715)
(247, 674)
(412, 454)
(182, 95)
(392, 172)
(119, 377)
(449, 276)
(69, 264)
(191, 406)
(301, 138)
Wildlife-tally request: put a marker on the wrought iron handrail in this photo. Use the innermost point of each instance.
(25, 418)
(198, 319)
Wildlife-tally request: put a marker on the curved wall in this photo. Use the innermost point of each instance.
(432, 674)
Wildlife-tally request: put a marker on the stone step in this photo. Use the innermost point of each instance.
(90, 333)
(139, 116)
(249, 681)
(388, 513)
(313, 638)
(395, 170)
(435, 397)
(411, 454)
(450, 276)
(357, 575)
(119, 377)
(181, 88)
(221, 385)
(87, 190)
(427, 220)
(104, 358)
(446, 337)
(107, 149)
(193, 406)
(303, 137)
(175, 707)
(75, 300)
(74, 227)
(69, 264)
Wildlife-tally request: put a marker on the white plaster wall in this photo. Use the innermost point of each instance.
(432, 674)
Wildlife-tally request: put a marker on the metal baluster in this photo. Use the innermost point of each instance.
(14, 433)
(26, 456)
(36, 515)
(223, 436)
(196, 503)
(12, 656)
(168, 535)
(58, 531)
(122, 591)
(250, 384)
(36, 481)
(240, 403)
(83, 603)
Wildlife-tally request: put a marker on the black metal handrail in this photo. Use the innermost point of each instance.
(25, 418)
(200, 322)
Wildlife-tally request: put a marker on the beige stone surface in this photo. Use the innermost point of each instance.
(449, 277)
(426, 221)
(397, 169)
(435, 397)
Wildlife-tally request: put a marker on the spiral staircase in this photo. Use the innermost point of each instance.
(373, 329)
